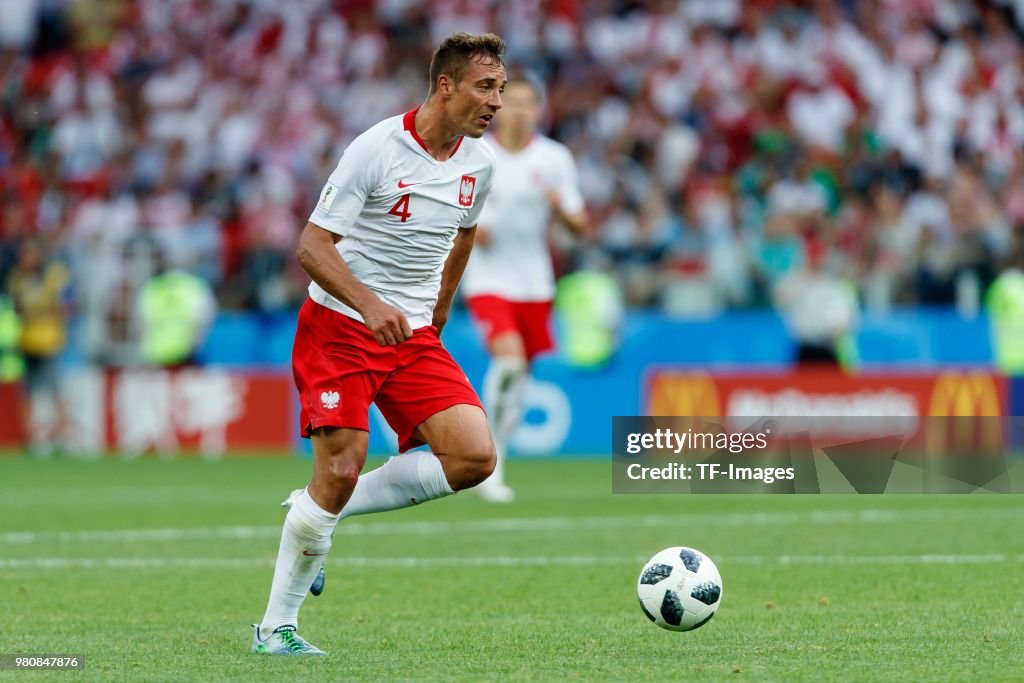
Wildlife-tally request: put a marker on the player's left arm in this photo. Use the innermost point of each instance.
(454, 267)
(575, 221)
(458, 257)
(566, 199)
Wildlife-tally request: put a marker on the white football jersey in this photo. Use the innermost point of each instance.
(516, 264)
(398, 210)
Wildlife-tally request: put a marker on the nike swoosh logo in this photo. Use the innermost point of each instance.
(309, 554)
(401, 184)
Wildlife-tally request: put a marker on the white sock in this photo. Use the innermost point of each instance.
(503, 396)
(305, 542)
(402, 481)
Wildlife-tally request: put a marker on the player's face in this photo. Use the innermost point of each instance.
(477, 97)
(521, 110)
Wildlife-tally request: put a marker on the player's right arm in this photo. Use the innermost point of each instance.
(320, 259)
(342, 199)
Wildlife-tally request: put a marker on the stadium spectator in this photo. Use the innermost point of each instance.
(209, 125)
(819, 309)
(36, 287)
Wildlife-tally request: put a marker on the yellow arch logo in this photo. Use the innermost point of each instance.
(965, 395)
(684, 395)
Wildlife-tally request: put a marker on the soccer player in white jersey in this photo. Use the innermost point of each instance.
(386, 247)
(509, 284)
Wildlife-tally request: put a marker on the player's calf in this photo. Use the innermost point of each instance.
(318, 583)
(305, 542)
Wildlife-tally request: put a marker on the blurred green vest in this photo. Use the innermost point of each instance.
(1005, 303)
(171, 305)
(12, 366)
(590, 307)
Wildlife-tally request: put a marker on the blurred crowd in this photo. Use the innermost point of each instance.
(722, 145)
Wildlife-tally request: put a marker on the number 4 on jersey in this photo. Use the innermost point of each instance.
(401, 208)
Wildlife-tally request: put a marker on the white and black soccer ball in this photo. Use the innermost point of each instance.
(680, 589)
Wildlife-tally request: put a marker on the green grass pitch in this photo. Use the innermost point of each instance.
(153, 570)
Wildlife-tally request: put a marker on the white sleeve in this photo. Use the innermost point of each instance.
(473, 217)
(342, 198)
(569, 196)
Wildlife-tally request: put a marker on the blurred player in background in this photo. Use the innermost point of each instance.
(509, 283)
(386, 247)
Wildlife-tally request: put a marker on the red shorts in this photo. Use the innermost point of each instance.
(529, 319)
(340, 369)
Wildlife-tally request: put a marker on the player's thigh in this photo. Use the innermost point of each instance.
(507, 344)
(461, 439)
(460, 431)
(338, 368)
(427, 382)
(533, 322)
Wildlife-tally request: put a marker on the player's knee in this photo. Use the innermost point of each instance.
(476, 465)
(486, 465)
(342, 475)
(339, 458)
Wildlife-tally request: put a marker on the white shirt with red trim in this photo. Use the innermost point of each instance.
(398, 210)
(516, 264)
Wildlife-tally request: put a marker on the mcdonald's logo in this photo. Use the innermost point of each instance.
(965, 395)
(684, 395)
(971, 395)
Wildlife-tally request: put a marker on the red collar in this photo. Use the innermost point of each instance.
(409, 123)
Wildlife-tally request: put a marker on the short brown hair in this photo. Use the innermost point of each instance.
(453, 55)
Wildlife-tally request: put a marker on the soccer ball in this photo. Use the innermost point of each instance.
(680, 589)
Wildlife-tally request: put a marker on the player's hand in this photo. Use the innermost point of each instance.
(483, 236)
(587, 230)
(387, 323)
